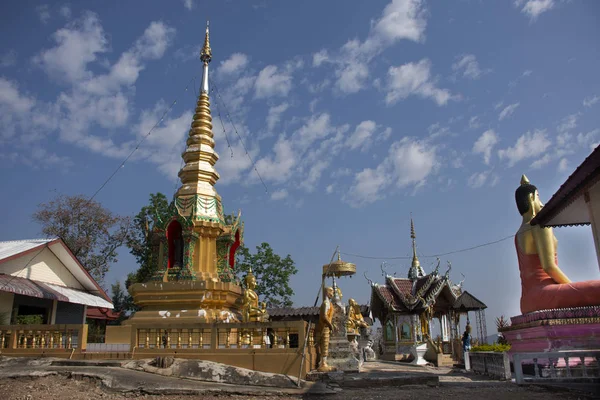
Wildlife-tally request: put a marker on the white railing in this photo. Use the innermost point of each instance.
(571, 366)
(494, 364)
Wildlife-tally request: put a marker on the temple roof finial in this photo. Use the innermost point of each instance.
(206, 53)
(415, 270)
(524, 180)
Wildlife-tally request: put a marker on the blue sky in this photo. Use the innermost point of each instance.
(356, 113)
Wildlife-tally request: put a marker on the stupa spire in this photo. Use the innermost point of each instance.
(197, 195)
(205, 57)
(415, 270)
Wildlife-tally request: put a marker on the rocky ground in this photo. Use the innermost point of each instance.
(65, 388)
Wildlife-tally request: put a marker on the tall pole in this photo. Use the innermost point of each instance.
(320, 292)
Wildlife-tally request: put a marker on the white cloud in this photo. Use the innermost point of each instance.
(314, 174)
(474, 122)
(537, 164)
(485, 144)
(367, 187)
(8, 59)
(352, 77)
(498, 105)
(10, 97)
(274, 115)
(279, 194)
(189, 4)
(43, 12)
(320, 57)
(590, 101)
(271, 82)
(78, 44)
(408, 163)
(533, 8)
(400, 20)
(279, 166)
(234, 64)
(563, 165)
(468, 65)
(412, 161)
(568, 123)
(526, 73)
(529, 145)
(507, 111)
(479, 179)
(361, 137)
(414, 79)
(65, 11)
(329, 189)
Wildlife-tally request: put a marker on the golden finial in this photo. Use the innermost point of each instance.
(524, 180)
(412, 229)
(206, 53)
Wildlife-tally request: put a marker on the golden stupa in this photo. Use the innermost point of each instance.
(195, 246)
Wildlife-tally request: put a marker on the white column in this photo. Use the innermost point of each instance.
(592, 201)
(53, 313)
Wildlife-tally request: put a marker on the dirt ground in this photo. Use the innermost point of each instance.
(64, 388)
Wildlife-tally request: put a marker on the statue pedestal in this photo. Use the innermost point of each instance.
(418, 352)
(341, 354)
(554, 330)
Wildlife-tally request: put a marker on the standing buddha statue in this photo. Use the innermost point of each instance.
(323, 330)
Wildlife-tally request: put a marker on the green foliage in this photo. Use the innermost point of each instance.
(271, 271)
(122, 301)
(140, 238)
(496, 347)
(30, 319)
(92, 232)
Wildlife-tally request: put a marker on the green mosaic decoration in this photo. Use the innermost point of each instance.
(224, 243)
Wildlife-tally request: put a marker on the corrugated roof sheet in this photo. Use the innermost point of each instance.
(13, 247)
(31, 288)
(582, 178)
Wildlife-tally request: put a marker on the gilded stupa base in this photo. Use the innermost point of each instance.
(186, 302)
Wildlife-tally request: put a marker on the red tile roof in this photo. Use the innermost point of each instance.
(403, 285)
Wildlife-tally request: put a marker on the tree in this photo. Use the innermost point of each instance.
(92, 232)
(122, 301)
(271, 271)
(140, 237)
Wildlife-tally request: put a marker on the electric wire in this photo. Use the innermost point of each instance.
(138, 145)
(216, 89)
(436, 255)
(223, 126)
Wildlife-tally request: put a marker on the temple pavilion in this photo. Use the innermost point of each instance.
(406, 307)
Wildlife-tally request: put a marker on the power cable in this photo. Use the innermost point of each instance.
(238, 135)
(138, 145)
(435, 255)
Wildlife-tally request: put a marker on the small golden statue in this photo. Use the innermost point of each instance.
(252, 310)
(355, 319)
(424, 318)
(323, 329)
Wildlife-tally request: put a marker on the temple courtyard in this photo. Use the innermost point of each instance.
(22, 379)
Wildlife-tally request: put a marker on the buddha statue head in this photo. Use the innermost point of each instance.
(527, 198)
(250, 280)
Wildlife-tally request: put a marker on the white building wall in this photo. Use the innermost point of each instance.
(45, 267)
